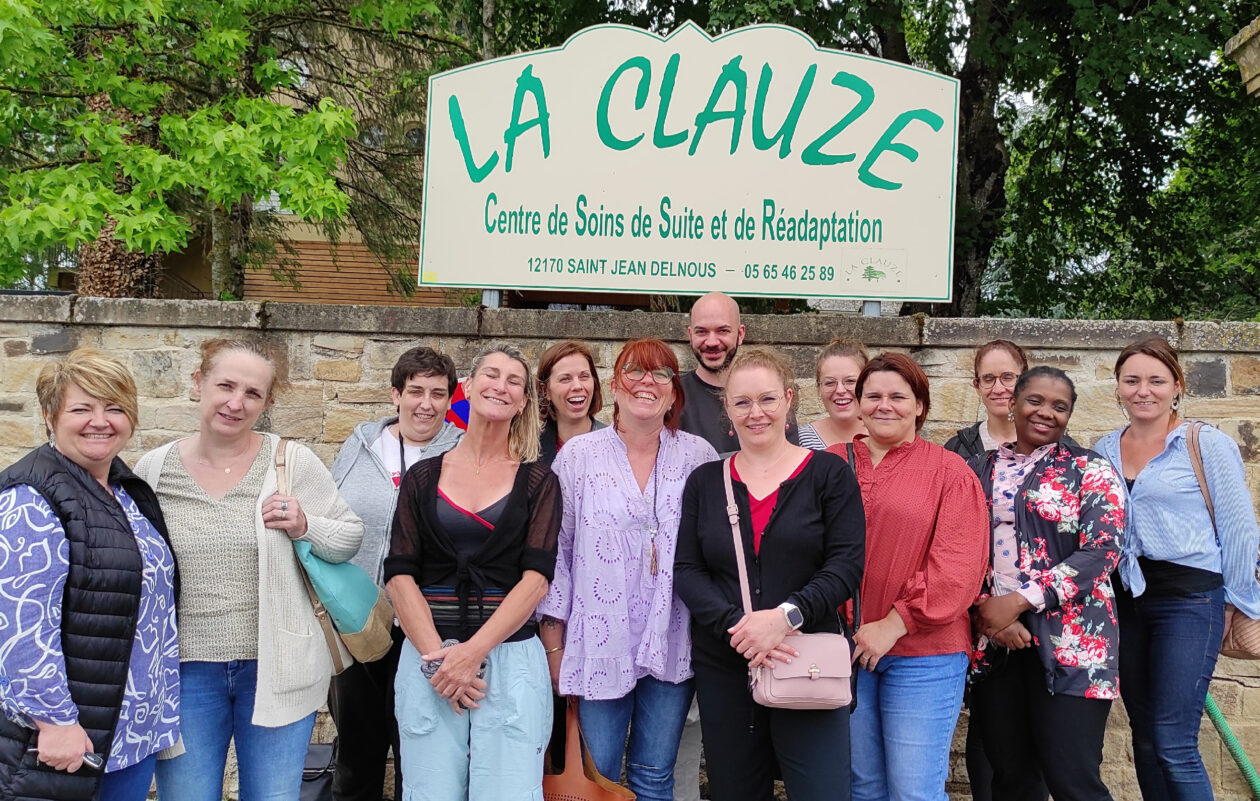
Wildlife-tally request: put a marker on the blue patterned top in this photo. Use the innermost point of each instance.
(34, 563)
(1169, 522)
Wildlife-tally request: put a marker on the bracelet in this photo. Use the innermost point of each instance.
(550, 651)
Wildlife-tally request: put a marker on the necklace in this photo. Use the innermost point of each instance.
(765, 470)
(227, 471)
(653, 563)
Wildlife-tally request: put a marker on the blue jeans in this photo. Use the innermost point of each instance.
(1168, 650)
(652, 715)
(901, 732)
(216, 705)
(129, 784)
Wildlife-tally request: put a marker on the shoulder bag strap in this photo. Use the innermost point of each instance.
(1196, 461)
(732, 512)
(317, 606)
(857, 596)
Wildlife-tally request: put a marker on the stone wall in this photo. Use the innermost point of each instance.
(338, 359)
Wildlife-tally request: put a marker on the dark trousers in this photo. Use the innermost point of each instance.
(361, 700)
(743, 740)
(1168, 650)
(1035, 740)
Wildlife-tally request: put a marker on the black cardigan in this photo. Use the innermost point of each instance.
(812, 552)
(525, 536)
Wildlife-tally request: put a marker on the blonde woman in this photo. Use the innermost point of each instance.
(254, 665)
(472, 552)
(90, 657)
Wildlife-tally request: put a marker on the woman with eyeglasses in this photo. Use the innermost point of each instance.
(836, 371)
(802, 532)
(927, 541)
(998, 365)
(615, 634)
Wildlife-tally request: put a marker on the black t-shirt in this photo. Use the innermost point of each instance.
(704, 415)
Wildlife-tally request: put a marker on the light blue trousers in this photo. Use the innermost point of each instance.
(493, 752)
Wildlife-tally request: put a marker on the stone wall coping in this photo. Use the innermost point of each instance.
(490, 324)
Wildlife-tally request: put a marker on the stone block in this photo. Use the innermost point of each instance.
(304, 395)
(167, 313)
(36, 308)
(1212, 409)
(1220, 337)
(123, 339)
(293, 421)
(433, 320)
(339, 422)
(18, 404)
(1244, 373)
(1205, 378)
(16, 347)
(347, 370)
(59, 340)
(359, 394)
(1042, 334)
(344, 343)
(1096, 408)
(955, 400)
(22, 433)
(20, 373)
(157, 373)
(177, 416)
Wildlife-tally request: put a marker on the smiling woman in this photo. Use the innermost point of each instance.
(1045, 661)
(368, 471)
(616, 635)
(569, 395)
(85, 550)
(472, 551)
(925, 545)
(252, 666)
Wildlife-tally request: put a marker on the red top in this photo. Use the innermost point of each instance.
(760, 509)
(927, 543)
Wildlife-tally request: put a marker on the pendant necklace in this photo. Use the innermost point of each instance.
(656, 479)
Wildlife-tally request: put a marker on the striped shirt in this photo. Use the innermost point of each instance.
(1168, 520)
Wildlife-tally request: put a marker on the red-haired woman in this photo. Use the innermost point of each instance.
(615, 634)
(927, 543)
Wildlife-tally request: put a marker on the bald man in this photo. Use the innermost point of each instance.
(716, 334)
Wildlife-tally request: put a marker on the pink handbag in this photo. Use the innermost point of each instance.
(817, 679)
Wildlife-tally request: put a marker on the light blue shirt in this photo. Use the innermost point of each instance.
(1169, 521)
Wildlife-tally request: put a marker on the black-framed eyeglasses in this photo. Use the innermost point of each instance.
(1008, 379)
(660, 375)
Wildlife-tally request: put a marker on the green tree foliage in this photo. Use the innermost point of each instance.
(159, 120)
(1181, 246)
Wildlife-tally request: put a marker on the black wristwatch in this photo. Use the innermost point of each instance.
(794, 617)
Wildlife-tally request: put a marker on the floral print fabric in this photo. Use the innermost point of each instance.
(1068, 522)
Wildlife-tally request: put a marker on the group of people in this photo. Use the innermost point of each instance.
(539, 553)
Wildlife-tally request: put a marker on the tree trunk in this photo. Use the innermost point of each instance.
(982, 165)
(106, 267)
(228, 232)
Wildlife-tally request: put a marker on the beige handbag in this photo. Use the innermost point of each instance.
(817, 679)
(1243, 639)
(580, 781)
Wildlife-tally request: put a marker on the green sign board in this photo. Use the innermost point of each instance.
(755, 163)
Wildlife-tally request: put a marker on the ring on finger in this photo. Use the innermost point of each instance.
(284, 506)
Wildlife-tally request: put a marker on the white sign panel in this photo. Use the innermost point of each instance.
(755, 163)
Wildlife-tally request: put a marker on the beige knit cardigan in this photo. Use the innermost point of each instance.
(294, 666)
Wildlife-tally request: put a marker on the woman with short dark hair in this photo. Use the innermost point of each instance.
(368, 470)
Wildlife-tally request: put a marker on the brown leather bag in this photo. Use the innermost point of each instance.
(1243, 639)
(580, 781)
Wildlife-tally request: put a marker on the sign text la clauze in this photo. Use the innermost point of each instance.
(755, 163)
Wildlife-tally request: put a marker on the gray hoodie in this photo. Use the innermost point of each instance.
(367, 486)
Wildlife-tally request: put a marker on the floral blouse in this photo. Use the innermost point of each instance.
(1068, 525)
